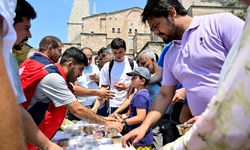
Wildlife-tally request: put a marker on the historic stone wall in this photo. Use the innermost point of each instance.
(203, 10)
(124, 24)
(188, 3)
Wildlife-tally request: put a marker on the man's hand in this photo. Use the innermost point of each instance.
(51, 146)
(179, 96)
(94, 110)
(109, 118)
(104, 93)
(118, 117)
(192, 120)
(120, 86)
(94, 77)
(113, 124)
(133, 136)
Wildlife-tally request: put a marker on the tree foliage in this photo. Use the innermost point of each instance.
(241, 13)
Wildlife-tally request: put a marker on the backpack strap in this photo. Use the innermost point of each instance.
(131, 63)
(111, 63)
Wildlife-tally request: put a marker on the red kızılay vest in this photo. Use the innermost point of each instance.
(48, 117)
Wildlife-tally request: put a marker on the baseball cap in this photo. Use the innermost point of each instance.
(141, 71)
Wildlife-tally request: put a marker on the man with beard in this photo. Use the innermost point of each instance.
(10, 129)
(200, 46)
(225, 123)
(53, 92)
(24, 13)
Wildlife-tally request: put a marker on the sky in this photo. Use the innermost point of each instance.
(53, 15)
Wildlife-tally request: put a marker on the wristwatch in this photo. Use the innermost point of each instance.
(124, 123)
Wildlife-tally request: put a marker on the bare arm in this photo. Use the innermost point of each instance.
(157, 77)
(185, 114)
(180, 95)
(33, 134)
(124, 105)
(84, 113)
(10, 126)
(97, 104)
(141, 115)
(160, 104)
(103, 92)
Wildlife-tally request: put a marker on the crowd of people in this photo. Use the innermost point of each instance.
(201, 78)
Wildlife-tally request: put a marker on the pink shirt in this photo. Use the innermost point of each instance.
(197, 59)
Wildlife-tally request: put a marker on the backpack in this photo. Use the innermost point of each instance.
(111, 63)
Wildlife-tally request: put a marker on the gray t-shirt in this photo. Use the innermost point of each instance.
(53, 88)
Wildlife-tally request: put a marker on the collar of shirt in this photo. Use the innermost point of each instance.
(194, 24)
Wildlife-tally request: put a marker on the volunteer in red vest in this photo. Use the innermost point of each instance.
(49, 89)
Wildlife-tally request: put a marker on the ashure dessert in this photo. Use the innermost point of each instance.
(116, 139)
(183, 128)
(111, 132)
(63, 142)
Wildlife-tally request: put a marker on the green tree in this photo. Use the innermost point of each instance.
(241, 12)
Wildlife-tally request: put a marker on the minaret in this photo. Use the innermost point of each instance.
(94, 8)
(79, 10)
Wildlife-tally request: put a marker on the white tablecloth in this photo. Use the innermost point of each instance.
(88, 143)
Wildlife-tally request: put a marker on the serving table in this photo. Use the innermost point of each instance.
(78, 140)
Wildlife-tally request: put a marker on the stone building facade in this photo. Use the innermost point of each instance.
(203, 7)
(99, 30)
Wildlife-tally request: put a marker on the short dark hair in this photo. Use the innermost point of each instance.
(159, 8)
(47, 41)
(76, 55)
(24, 9)
(101, 51)
(146, 81)
(118, 43)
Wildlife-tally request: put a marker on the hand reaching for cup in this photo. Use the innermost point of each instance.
(94, 77)
(104, 93)
(120, 86)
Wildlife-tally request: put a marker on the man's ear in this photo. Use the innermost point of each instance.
(69, 63)
(172, 12)
(152, 60)
(49, 48)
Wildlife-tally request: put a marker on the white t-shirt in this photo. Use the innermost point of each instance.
(7, 11)
(118, 74)
(53, 88)
(85, 82)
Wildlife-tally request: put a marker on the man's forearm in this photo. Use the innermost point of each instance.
(81, 91)
(10, 126)
(160, 104)
(96, 105)
(32, 133)
(84, 113)
(123, 106)
(157, 77)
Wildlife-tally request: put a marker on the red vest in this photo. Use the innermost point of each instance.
(32, 71)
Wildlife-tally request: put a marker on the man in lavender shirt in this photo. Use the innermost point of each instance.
(200, 46)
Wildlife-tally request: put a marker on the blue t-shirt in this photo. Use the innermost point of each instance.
(163, 53)
(161, 60)
(141, 100)
(153, 90)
